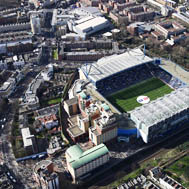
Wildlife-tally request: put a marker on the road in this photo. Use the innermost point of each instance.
(23, 174)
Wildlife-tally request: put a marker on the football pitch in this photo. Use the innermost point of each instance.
(126, 99)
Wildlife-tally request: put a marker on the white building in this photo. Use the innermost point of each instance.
(169, 183)
(8, 87)
(28, 140)
(47, 73)
(88, 25)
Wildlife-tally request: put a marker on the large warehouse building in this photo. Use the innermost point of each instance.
(163, 114)
(88, 25)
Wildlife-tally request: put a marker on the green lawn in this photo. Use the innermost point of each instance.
(54, 101)
(125, 100)
(55, 54)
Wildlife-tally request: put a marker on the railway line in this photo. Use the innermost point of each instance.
(165, 149)
(140, 157)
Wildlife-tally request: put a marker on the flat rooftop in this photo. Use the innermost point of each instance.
(75, 131)
(48, 110)
(26, 137)
(111, 65)
(90, 22)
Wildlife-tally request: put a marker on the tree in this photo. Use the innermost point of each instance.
(3, 104)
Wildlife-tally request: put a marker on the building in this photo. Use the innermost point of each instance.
(35, 24)
(93, 118)
(47, 73)
(184, 17)
(169, 3)
(164, 180)
(45, 175)
(80, 162)
(165, 10)
(29, 141)
(85, 56)
(47, 122)
(139, 13)
(88, 25)
(169, 28)
(87, 11)
(163, 114)
(87, 44)
(54, 146)
(104, 128)
(31, 101)
(92, 3)
(44, 75)
(138, 28)
(71, 106)
(77, 129)
(15, 27)
(3, 65)
(9, 86)
(169, 183)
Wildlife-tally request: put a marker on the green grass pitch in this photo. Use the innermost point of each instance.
(126, 99)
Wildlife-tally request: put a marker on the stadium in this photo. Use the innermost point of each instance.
(156, 101)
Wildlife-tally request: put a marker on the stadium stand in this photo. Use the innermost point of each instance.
(161, 115)
(111, 74)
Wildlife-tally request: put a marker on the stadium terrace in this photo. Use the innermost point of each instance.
(162, 114)
(111, 65)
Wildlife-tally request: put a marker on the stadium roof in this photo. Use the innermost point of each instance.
(162, 108)
(111, 65)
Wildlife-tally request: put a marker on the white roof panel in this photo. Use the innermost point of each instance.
(110, 65)
(162, 108)
(26, 137)
(91, 22)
